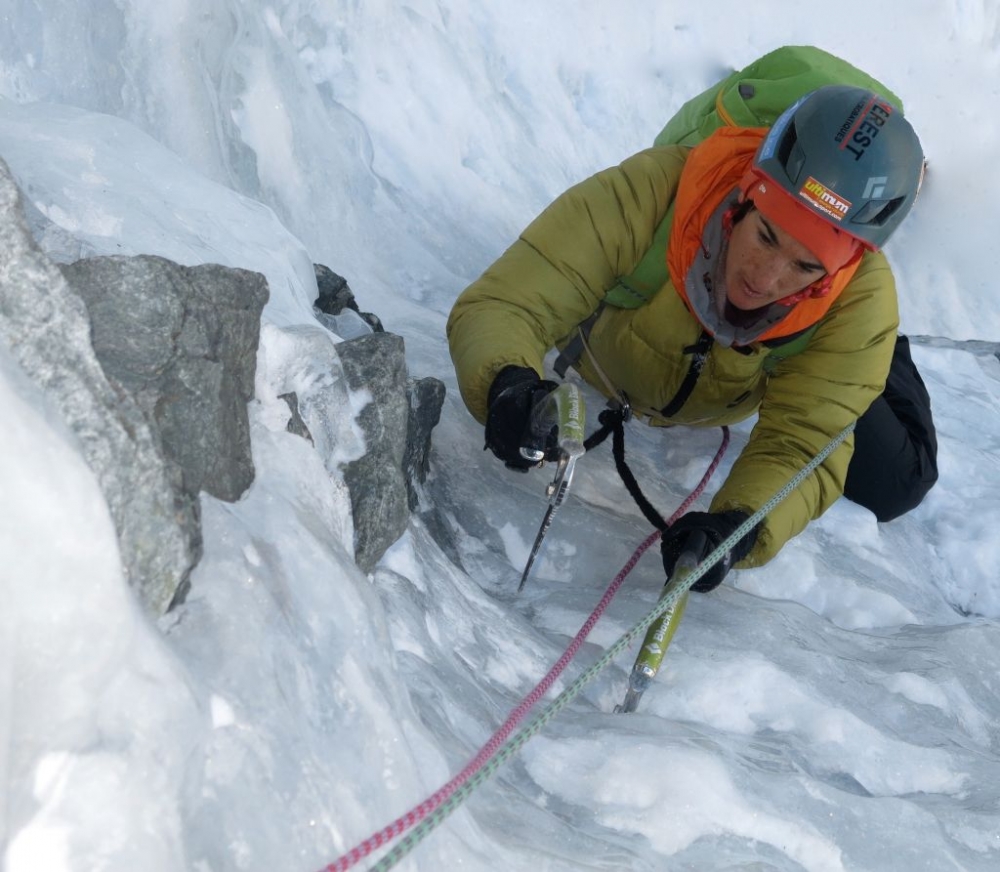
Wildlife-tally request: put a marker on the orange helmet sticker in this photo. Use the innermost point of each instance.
(823, 198)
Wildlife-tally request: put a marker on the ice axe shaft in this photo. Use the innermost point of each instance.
(561, 409)
(650, 657)
(661, 632)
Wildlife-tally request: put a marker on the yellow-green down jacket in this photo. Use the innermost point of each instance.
(556, 274)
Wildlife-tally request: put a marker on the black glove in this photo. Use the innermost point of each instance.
(713, 529)
(514, 393)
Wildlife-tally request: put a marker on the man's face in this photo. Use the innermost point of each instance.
(764, 264)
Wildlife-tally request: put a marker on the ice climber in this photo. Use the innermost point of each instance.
(775, 236)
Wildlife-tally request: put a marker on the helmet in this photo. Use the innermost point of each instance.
(850, 157)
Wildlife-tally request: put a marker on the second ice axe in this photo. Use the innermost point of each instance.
(563, 410)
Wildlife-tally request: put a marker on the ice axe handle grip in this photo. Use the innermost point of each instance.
(562, 409)
(695, 550)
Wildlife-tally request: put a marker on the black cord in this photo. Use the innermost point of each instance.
(612, 422)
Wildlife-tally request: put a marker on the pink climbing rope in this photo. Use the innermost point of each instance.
(416, 814)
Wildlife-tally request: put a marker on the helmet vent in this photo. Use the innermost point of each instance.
(877, 212)
(790, 154)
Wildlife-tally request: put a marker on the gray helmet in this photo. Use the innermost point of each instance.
(850, 155)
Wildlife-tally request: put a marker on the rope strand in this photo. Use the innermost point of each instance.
(494, 743)
(426, 816)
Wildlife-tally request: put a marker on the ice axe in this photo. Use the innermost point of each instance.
(563, 410)
(659, 635)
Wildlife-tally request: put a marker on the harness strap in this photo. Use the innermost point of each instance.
(577, 344)
(612, 420)
(576, 348)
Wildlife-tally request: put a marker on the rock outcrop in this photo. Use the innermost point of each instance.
(151, 365)
(397, 424)
(182, 340)
(45, 325)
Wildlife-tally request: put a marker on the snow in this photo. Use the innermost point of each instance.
(836, 709)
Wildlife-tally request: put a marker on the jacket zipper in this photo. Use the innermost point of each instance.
(699, 352)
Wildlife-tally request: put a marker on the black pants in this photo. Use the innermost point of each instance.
(895, 446)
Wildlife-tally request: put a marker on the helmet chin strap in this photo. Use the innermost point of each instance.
(819, 288)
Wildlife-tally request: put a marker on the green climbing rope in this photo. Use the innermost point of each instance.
(514, 744)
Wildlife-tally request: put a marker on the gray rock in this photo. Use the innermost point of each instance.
(334, 293)
(44, 324)
(183, 342)
(336, 298)
(379, 500)
(384, 484)
(295, 423)
(425, 397)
